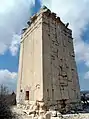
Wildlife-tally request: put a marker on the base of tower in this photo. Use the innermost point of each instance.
(38, 107)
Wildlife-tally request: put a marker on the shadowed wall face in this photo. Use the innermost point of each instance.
(60, 78)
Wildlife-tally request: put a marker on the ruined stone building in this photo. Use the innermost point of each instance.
(47, 68)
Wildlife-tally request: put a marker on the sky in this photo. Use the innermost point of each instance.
(14, 15)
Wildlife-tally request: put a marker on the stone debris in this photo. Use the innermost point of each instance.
(48, 115)
(36, 111)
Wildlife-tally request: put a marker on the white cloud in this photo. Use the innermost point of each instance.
(76, 13)
(82, 52)
(86, 75)
(13, 17)
(15, 45)
(7, 4)
(8, 78)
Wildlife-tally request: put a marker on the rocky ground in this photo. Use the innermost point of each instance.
(21, 115)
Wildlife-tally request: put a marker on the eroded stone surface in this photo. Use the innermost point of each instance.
(47, 68)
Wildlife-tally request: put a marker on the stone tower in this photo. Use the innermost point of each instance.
(47, 68)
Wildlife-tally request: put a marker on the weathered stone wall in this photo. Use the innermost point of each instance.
(60, 72)
(30, 64)
(47, 67)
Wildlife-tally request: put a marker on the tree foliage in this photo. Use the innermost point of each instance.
(5, 111)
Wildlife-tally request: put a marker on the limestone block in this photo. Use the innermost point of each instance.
(57, 93)
(48, 115)
(53, 113)
(64, 92)
(40, 117)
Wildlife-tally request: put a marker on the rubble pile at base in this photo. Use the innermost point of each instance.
(39, 111)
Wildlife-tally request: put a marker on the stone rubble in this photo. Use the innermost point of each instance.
(28, 114)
